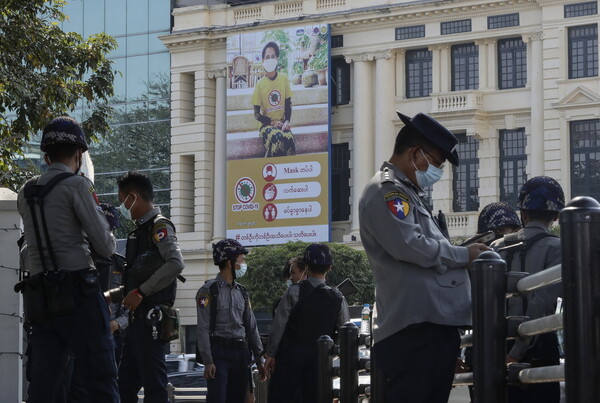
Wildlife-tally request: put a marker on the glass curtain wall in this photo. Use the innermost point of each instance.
(140, 137)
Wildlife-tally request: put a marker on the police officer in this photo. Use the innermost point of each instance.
(536, 249)
(153, 263)
(73, 220)
(422, 288)
(308, 310)
(498, 217)
(227, 330)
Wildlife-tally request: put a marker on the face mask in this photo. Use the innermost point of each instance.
(288, 283)
(430, 176)
(126, 212)
(241, 271)
(270, 65)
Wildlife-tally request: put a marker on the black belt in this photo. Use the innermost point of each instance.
(230, 343)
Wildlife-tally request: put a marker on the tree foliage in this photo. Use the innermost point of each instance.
(265, 267)
(45, 72)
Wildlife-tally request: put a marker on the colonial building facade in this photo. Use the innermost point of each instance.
(515, 80)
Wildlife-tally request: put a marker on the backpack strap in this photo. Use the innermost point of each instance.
(34, 194)
(214, 294)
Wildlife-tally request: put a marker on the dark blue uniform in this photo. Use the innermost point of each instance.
(143, 360)
(307, 310)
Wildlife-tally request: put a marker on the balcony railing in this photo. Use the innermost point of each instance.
(462, 224)
(457, 101)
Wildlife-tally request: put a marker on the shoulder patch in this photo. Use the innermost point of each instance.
(92, 190)
(398, 204)
(203, 300)
(160, 232)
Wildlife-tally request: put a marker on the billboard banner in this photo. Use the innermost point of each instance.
(278, 136)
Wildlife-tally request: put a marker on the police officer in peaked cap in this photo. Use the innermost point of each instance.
(422, 287)
(71, 315)
(227, 331)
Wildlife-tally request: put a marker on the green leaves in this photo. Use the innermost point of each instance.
(265, 266)
(45, 72)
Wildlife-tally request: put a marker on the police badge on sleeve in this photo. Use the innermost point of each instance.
(398, 204)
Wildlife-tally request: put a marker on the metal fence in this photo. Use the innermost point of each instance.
(579, 274)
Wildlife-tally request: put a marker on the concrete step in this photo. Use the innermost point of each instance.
(302, 115)
(308, 139)
(241, 99)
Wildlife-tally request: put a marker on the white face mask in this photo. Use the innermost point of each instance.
(270, 65)
(288, 283)
(126, 212)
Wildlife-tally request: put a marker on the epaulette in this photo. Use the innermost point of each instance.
(387, 175)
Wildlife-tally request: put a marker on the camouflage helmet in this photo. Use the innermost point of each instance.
(541, 193)
(318, 254)
(63, 130)
(497, 215)
(227, 249)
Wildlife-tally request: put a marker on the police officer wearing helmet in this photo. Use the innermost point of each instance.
(70, 315)
(154, 261)
(498, 217)
(227, 330)
(308, 310)
(422, 289)
(540, 200)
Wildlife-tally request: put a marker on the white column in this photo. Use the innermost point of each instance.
(219, 188)
(436, 68)
(400, 73)
(385, 135)
(362, 150)
(482, 47)
(535, 81)
(445, 70)
(11, 307)
(492, 65)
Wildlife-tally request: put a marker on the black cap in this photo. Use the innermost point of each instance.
(437, 134)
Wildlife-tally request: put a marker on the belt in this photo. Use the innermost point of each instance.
(230, 343)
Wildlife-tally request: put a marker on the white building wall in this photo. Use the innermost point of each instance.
(544, 107)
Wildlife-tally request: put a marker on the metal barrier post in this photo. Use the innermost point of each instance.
(489, 328)
(377, 382)
(170, 393)
(580, 243)
(348, 335)
(324, 385)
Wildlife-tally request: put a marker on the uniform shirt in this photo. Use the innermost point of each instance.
(419, 276)
(270, 95)
(163, 236)
(232, 321)
(282, 314)
(544, 254)
(74, 220)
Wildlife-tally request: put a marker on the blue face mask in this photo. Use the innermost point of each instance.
(288, 283)
(126, 212)
(241, 271)
(430, 176)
